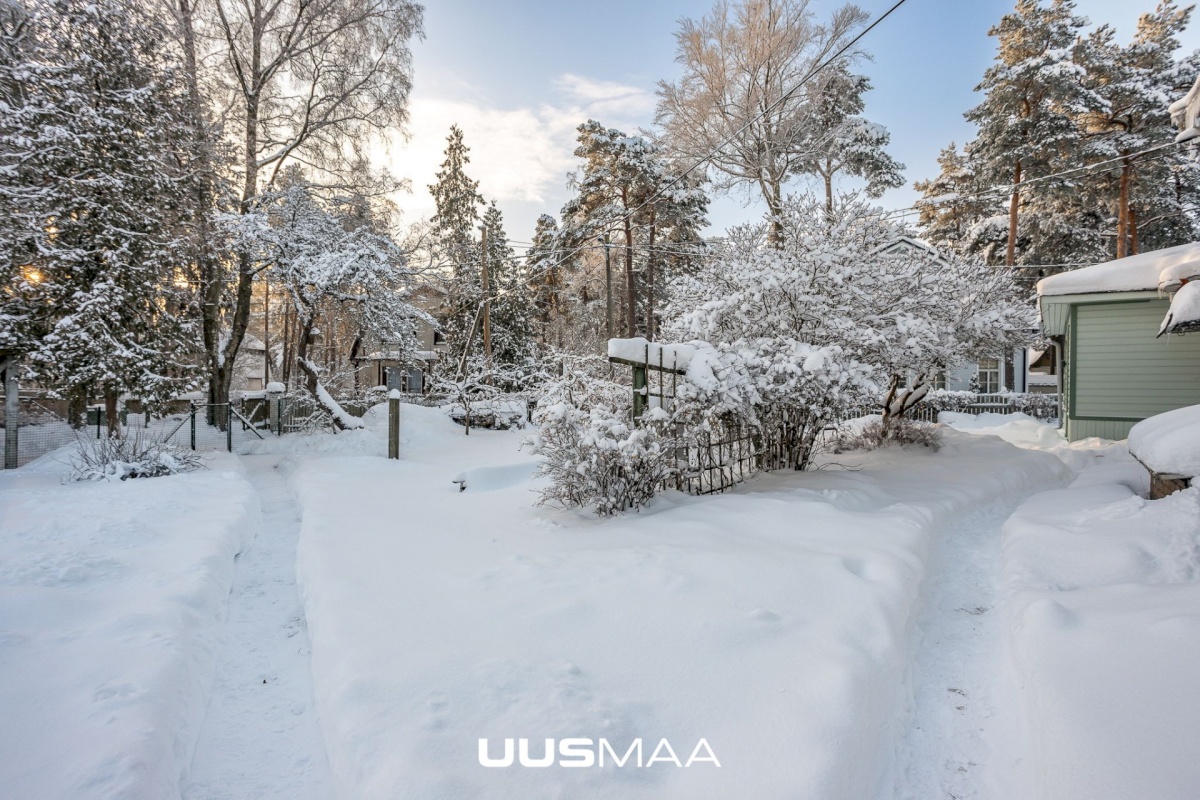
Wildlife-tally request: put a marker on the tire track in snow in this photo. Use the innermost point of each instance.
(260, 737)
(963, 740)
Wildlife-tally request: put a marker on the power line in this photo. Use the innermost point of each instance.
(1008, 188)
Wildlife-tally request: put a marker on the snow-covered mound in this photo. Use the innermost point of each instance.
(113, 598)
(1026, 432)
(1169, 443)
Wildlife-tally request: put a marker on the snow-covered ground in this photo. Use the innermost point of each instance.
(112, 599)
(987, 621)
(776, 623)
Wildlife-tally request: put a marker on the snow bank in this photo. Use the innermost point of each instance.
(1031, 434)
(114, 595)
(775, 623)
(1169, 442)
(1144, 271)
(1104, 622)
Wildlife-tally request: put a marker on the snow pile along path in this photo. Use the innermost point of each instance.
(112, 599)
(261, 737)
(1104, 618)
(776, 622)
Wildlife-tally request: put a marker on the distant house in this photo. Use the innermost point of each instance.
(1004, 372)
(386, 364)
(1106, 319)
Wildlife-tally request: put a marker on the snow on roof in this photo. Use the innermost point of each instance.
(1185, 310)
(1143, 272)
(1169, 443)
(1184, 113)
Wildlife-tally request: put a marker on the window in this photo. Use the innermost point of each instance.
(939, 380)
(989, 375)
(438, 338)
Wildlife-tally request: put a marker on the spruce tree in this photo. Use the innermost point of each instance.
(512, 311)
(96, 195)
(458, 204)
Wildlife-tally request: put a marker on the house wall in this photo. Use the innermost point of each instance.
(1118, 373)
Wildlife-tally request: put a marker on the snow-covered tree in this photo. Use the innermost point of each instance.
(544, 264)
(324, 260)
(511, 309)
(1027, 126)
(952, 205)
(458, 207)
(839, 140)
(94, 195)
(296, 81)
(1146, 193)
(839, 313)
(626, 189)
(736, 106)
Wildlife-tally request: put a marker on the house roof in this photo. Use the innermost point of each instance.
(1165, 269)
(908, 244)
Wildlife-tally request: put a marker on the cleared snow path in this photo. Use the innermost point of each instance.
(963, 741)
(260, 737)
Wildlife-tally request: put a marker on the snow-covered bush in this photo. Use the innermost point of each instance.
(901, 430)
(837, 313)
(1037, 405)
(135, 456)
(593, 454)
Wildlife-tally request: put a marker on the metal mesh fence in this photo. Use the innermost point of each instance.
(42, 428)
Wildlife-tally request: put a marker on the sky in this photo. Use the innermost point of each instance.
(518, 76)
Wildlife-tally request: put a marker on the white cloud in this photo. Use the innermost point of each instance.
(520, 156)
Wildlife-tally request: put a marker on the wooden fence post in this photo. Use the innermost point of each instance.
(12, 408)
(394, 424)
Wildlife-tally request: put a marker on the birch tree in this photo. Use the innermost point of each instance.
(310, 81)
(740, 106)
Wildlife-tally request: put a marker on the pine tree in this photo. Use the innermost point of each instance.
(1145, 193)
(626, 190)
(841, 141)
(95, 132)
(458, 205)
(1027, 128)
(954, 205)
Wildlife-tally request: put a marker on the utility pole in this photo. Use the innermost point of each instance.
(607, 286)
(487, 303)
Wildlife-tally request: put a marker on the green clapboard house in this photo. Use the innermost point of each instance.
(1105, 320)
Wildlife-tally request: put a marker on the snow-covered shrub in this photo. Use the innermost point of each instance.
(135, 456)
(835, 314)
(593, 454)
(877, 433)
(1036, 404)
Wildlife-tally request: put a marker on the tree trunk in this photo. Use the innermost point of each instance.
(650, 277)
(1133, 232)
(210, 269)
(1123, 213)
(302, 354)
(775, 204)
(630, 292)
(828, 176)
(110, 414)
(1010, 255)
